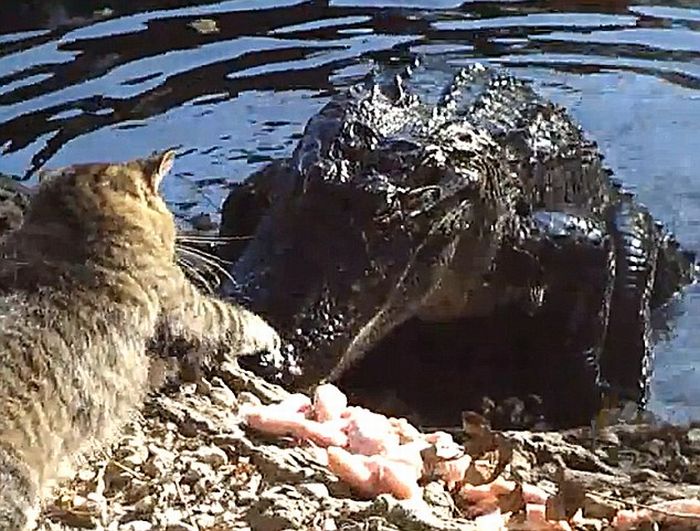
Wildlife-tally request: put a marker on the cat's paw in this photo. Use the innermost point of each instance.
(257, 336)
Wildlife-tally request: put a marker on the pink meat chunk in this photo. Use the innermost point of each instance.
(377, 455)
(688, 508)
(374, 475)
(329, 402)
(369, 433)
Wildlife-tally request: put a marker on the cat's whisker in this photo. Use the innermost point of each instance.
(204, 254)
(192, 238)
(196, 274)
(214, 262)
(200, 268)
(204, 266)
(210, 257)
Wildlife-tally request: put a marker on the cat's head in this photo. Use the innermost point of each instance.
(101, 201)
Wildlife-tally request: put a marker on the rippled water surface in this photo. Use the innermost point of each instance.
(232, 83)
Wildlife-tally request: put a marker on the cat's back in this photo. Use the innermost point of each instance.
(78, 302)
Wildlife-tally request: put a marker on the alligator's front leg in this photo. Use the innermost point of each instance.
(578, 269)
(627, 357)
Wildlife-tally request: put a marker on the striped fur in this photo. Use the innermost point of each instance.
(86, 282)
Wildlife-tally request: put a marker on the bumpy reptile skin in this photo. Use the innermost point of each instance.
(489, 201)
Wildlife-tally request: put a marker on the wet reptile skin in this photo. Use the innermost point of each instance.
(487, 206)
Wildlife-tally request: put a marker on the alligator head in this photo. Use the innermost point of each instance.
(389, 208)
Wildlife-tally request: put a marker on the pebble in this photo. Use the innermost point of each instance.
(180, 526)
(86, 474)
(197, 470)
(79, 501)
(246, 497)
(694, 436)
(137, 457)
(317, 490)
(205, 521)
(211, 455)
(656, 447)
(116, 478)
(136, 525)
(146, 504)
(223, 396)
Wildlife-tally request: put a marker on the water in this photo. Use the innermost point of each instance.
(232, 83)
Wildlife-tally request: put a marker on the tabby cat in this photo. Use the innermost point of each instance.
(87, 281)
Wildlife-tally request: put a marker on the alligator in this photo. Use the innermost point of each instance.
(445, 252)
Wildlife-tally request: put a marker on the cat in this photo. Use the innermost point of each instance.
(88, 279)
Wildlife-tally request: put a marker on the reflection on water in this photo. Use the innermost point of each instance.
(231, 83)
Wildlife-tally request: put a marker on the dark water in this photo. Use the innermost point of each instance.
(83, 81)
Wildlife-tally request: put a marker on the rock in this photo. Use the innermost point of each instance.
(75, 519)
(693, 437)
(601, 508)
(655, 447)
(137, 456)
(591, 524)
(439, 499)
(205, 521)
(180, 526)
(276, 510)
(218, 476)
(197, 471)
(136, 525)
(316, 490)
(211, 455)
(646, 474)
(159, 460)
(172, 517)
(246, 497)
(415, 515)
(203, 222)
(116, 477)
(86, 475)
(146, 504)
(239, 380)
(137, 490)
(221, 394)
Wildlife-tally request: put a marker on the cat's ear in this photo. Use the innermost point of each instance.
(158, 165)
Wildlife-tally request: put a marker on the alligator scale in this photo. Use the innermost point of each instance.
(440, 252)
